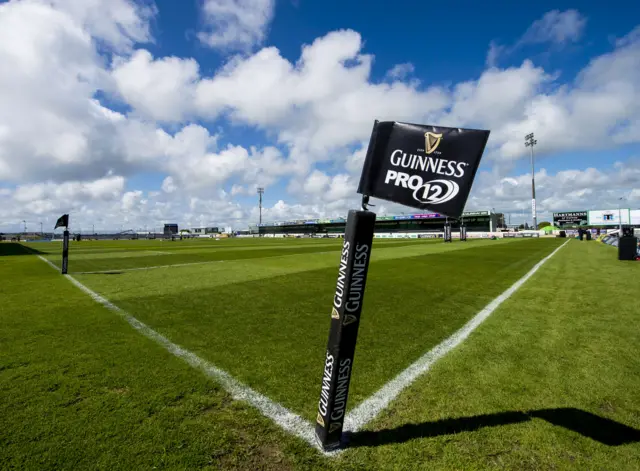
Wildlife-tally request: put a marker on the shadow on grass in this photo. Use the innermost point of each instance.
(605, 431)
(16, 248)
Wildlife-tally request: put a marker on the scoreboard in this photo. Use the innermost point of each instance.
(170, 229)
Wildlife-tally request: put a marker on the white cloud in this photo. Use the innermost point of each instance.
(238, 190)
(106, 188)
(598, 110)
(159, 89)
(497, 97)
(131, 199)
(336, 191)
(117, 23)
(236, 24)
(590, 188)
(47, 200)
(322, 102)
(555, 27)
(51, 127)
(168, 186)
(196, 164)
(495, 51)
(400, 71)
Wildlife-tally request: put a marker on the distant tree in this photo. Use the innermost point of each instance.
(521, 226)
(543, 224)
(526, 226)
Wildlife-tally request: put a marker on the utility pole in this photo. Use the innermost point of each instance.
(25, 226)
(93, 229)
(260, 193)
(41, 231)
(529, 141)
(619, 216)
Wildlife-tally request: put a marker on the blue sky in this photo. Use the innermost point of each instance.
(186, 89)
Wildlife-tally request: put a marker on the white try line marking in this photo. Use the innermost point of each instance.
(369, 409)
(362, 414)
(286, 419)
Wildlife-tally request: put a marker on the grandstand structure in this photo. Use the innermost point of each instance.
(480, 221)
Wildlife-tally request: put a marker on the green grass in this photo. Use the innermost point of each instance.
(270, 333)
(80, 389)
(126, 255)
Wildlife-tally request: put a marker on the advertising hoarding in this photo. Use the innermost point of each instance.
(571, 218)
(608, 217)
(475, 213)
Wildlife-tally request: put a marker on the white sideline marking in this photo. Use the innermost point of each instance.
(368, 409)
(286, 419)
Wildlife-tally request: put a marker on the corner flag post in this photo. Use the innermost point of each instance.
(345, 320)
(63, 221)
(382, 178)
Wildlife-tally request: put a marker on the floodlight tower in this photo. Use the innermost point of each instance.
(529, 141)
(260, 193)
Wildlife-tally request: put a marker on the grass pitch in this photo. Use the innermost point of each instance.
(79, 388)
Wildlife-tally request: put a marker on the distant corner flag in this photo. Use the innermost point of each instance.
(63, 221)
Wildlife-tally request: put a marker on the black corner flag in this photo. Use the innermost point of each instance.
(421, 166)
(63, 221)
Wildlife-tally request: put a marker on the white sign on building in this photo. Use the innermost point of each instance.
(609, 217)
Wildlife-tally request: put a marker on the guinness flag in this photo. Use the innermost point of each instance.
(425, 167)
(63, 221)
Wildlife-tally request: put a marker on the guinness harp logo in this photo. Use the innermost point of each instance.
(432, 141)
(319, 419)
(335, 314)
(349, 319)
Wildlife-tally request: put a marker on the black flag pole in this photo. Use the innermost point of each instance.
(345, 320)
(63, 221)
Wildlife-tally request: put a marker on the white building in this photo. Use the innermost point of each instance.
(200, 231)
